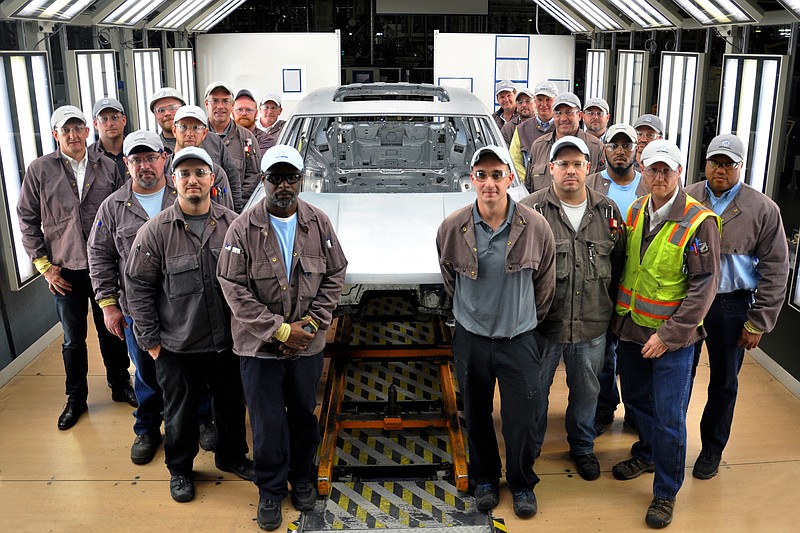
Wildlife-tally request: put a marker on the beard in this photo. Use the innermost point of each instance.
(619, 169)
(284, 201)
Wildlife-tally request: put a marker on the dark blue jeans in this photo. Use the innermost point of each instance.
(281, 397)
(182, 377)
(608, 399)
(723, 324)
(656, 391)
(515, 365)
(72, 309)
(145, 385)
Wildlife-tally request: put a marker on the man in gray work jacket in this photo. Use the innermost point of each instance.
(590, 256)
(60, 195)
(282, 271)
(181, 319)
(497, 261)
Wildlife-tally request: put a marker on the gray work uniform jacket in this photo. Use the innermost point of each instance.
(528, 131)
(220, 156)
(243, 147)
(272, 133)
(119, 218)
(53, 222)
(508, 129)
(530, 245)
(119, 159)
(171, 285)
(537, 173)
(681, 330)
(221, 191)
(262, 296)
(499, 120)
(752, 225)
(601, 184)
(589, 264)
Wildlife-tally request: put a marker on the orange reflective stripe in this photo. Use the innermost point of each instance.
(680, 232)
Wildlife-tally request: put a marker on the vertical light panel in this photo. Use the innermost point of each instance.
(91, 76)
(511, 60)
(180, 73)
(680, 105)
(629, 104)
(25, 109)
(143, 66)
(752, 107)
(598, 63)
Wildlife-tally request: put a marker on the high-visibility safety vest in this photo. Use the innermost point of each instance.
(653, 287)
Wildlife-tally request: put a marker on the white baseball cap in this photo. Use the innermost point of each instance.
(624, 129)
(272, 97)
(165, 92)
(214, 85)
(64, 114)
(546, 88)
(566, 142)
(142, 138)
(192, 152)
(191, 111)
(501, 153)
(281, 153)
(504, 86)
(664, 151)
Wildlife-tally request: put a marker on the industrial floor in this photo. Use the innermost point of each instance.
(82, 480)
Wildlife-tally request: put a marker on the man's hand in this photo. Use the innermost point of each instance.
(55, 282)
(748, 340)
(155, 351)
(299, 339)
(653, 348)
(115, 321)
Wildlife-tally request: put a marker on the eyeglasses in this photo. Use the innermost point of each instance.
(102, 119)
(166, 108)
(218, 101)
(650, 136)
(66, 130)
(197, 128)
(564, 165)
(727, 165)
(625, 146)
(653, 172)
(244, 111)
(497, 175)
(570, 113)
(594, 113)
(270, 107)
(276, 179)
(199, 173)
(139, 161)
(524, 101)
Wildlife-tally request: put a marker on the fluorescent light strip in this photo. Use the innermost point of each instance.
(177, 18)
(600, 18)
(85, 88)
(595, 74)
(710, 12)
(60, 10)
(766, 110)
(793, 6)
(643, 13)
(147, 73)
(131, 12)
(558, 13)
(214, 18)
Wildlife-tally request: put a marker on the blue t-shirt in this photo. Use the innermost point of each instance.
(284, 230)
(151, 203)
(623, 195)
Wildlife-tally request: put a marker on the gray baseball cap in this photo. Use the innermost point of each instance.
(621, 129)
(570, 99)
(191, 111)
(107, 103)
(568, 141)
(504, 86)
(527, 92)
(596, 102)
(214, 85)
(64, 114)
(546, 88)
(272, 97)
(192, 152)
(664, 151)
(729, 145)
(649, 121)
(165, 92)
(501, 153)
(245, 92)
(142, 139)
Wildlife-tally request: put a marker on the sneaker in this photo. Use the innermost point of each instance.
(659, 514)
(144, 448)
(208, 437)
(486, 496)
(602, 419)
(524, 503)
(631, 468)
(242, 468)
(586, 465)
(181, 488)
(269, 514)
(304, 495)
(707, 465)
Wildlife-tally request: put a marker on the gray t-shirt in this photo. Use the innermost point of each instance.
(197, 223)
(497, 303)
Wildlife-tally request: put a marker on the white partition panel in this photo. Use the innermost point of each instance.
(91, 76)
(291, 64)
(143, 73)
(180, 73)
(598, 74)
(550, 57)
(681, 103)
(753, 107)
(629, 104)
(25, 134)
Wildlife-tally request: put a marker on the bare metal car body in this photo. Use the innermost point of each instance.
(387, 163)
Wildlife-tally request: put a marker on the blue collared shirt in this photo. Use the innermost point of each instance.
(736, 271)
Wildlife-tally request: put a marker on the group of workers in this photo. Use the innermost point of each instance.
(610, 263)
(613, 265)
(216, 310)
